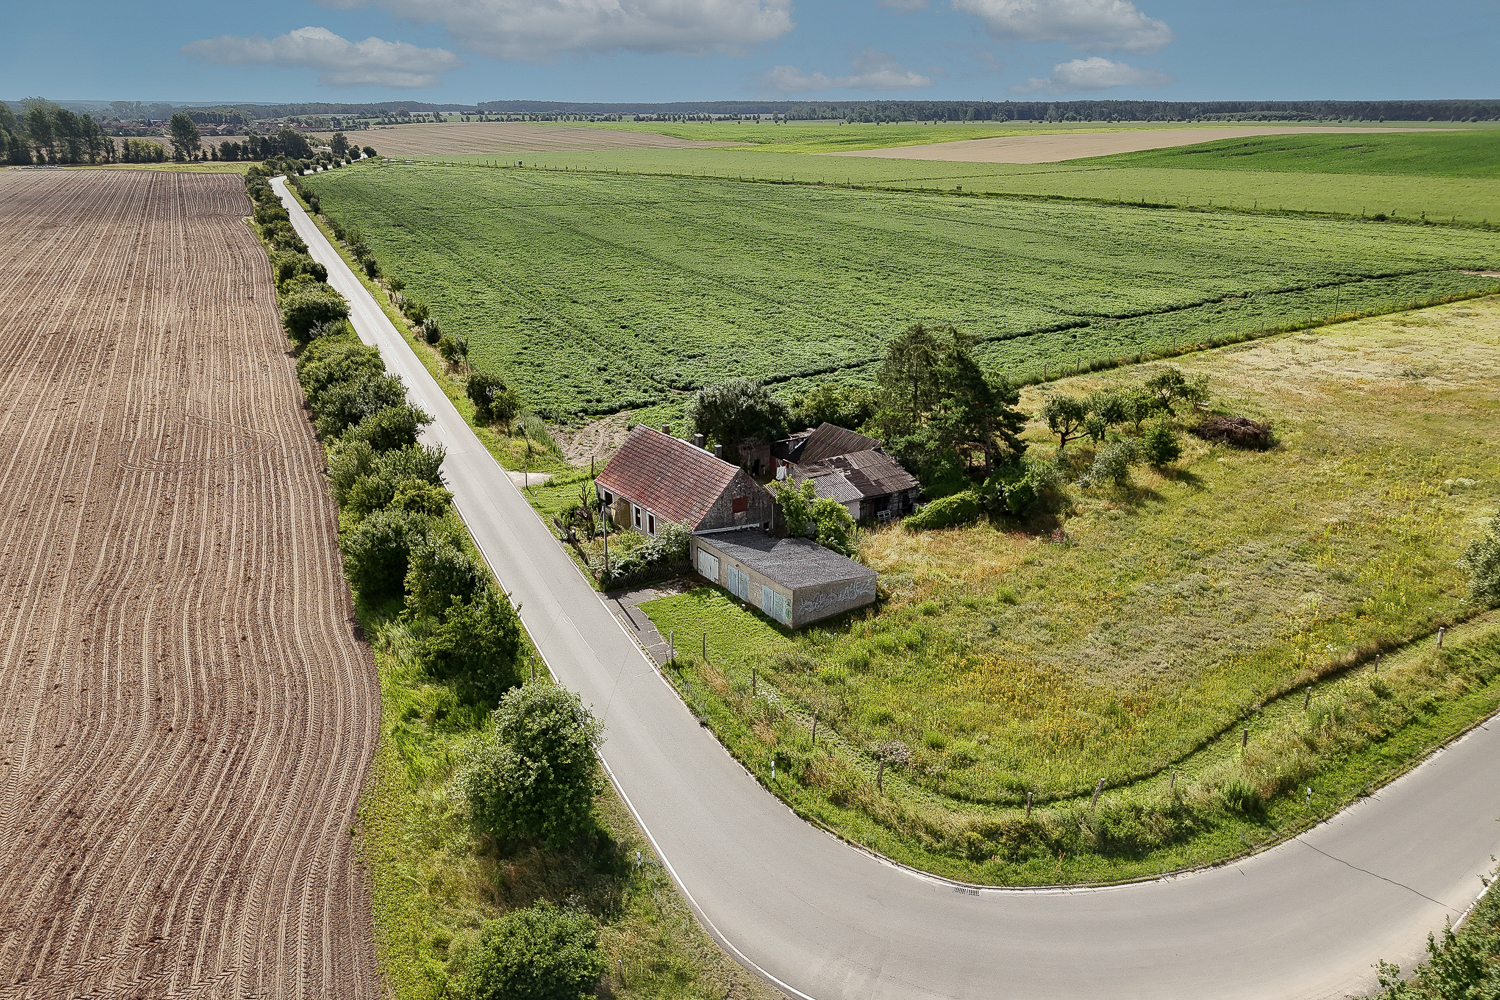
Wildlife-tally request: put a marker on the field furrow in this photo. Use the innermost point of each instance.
(186, 714)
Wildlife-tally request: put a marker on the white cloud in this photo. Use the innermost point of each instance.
(339, 62)
(541, 30)
(1107, 25)
(1094, 73)
(872, 71)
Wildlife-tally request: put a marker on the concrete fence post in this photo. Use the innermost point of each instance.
(1307, 698)
(1028, 806)
(1441, 630)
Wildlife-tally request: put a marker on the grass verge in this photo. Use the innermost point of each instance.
(434, 883)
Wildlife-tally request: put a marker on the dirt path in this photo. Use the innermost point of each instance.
(186, 716)
(1056, 148)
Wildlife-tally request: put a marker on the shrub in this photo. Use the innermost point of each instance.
(492, 398)
(1112, 464)
(306, 308)
(390, 429)
(363, 484)
(476, 641)
(1160, 446)
(960, 508)
(432, 331)
(1482, 560)
(1021, 491)
(377, 551)
(281, 236)
(438, 573)
(1239, 432)
(537, 778)
(663, 555)
(268, 212)
(827, 521)
(539, 953)
(415, 309)
(454, 349)
(344, 404)
(347, 462)
(327, 361)
(287, 264)
(419, 497)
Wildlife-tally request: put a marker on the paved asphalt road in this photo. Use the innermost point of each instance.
(820, 919)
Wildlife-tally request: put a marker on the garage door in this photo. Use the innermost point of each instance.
(738, 583)
(708, 565)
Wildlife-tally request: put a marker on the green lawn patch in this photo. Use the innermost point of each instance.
(732, 632)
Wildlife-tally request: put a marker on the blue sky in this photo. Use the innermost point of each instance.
(671, 50)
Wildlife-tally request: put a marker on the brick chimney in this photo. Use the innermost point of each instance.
(698, 441)
(718, 451)
(666, 429)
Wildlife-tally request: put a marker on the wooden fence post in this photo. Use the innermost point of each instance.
(1095, 800)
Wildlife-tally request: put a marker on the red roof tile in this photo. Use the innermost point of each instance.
(671, 478)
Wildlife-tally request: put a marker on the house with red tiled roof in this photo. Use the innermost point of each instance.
(655, 479)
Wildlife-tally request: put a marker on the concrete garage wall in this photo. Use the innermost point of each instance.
(813, 604)
(799, 606)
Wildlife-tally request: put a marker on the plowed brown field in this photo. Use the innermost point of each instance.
(186, 714)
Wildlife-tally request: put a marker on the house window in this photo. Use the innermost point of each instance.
(741, 504)
(637, 515)
(609, 498)
(651, 524)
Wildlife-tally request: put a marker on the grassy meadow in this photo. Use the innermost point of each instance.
(1292, 594)
(596, 293)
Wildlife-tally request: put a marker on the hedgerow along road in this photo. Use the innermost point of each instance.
(821, 919)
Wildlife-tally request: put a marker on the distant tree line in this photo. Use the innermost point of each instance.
(45, 133)
(853, 111)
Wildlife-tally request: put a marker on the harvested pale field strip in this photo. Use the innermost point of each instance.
(1057, 148)
(512, 137)
(186, 714)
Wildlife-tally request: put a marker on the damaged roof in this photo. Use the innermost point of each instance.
(864, 474)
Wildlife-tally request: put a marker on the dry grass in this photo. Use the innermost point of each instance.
(1175, 611)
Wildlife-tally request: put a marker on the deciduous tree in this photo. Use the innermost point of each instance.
(536, 780)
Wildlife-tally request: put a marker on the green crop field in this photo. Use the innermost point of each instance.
(596, 292)
(1438, 153)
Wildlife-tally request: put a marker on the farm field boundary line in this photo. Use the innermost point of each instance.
(187, 709)
(915, 185)
(1076, 146)
(796, 903)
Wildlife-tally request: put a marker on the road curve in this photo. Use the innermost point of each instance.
(822, 920)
